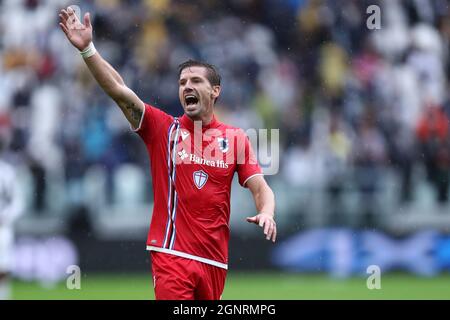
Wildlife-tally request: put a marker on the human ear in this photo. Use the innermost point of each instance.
(215, 92)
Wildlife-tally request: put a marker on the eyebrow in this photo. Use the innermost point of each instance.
(193, 78)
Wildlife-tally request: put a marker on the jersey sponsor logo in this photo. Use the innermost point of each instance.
(200, 178)
(192, 158)
(223, 144)
(210, 163)
(183, 154)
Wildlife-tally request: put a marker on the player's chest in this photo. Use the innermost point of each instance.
(201, 158)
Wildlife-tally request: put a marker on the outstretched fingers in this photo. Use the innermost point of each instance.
(267, 223)
(71, 19)
(87, 20)
(64, 18)
(63, 15)
(64, 28)
(270, 229)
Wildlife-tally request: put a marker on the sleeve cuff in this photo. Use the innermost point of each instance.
(140, 122)
(253, 175)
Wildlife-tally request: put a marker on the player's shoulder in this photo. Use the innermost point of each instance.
(156, 110)
(156, 118)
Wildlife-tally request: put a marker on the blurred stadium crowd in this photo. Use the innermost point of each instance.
(357, 108)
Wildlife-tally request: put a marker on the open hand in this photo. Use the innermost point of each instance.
(267, 222)
(79, 34)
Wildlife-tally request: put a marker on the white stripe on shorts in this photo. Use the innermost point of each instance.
(188, 256)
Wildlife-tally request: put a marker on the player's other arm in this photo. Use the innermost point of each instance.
(265, 205)
(80, 35)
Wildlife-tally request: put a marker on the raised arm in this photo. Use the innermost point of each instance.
(80, 36)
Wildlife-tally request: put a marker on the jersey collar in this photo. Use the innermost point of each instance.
(189, 124)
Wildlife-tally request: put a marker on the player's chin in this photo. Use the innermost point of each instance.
(192, 110)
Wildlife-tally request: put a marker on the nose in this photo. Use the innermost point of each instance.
(188, 88)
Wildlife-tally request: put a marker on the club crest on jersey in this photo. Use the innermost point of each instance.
(200, 178)
(223, 144)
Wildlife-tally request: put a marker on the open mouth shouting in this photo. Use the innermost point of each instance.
(190, 100)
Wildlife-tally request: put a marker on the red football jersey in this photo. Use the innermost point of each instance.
(192, 168)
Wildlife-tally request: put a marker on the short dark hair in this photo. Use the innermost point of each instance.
(212, 74)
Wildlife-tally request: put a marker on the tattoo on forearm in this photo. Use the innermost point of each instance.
(133, 110)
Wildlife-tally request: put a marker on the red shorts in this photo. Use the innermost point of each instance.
(177, 278)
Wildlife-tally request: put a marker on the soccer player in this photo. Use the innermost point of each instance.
(10, 208)
(193, 159)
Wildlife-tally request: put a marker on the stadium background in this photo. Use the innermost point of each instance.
(364, 142)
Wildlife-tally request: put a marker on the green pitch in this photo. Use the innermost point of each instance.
(249, 286)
